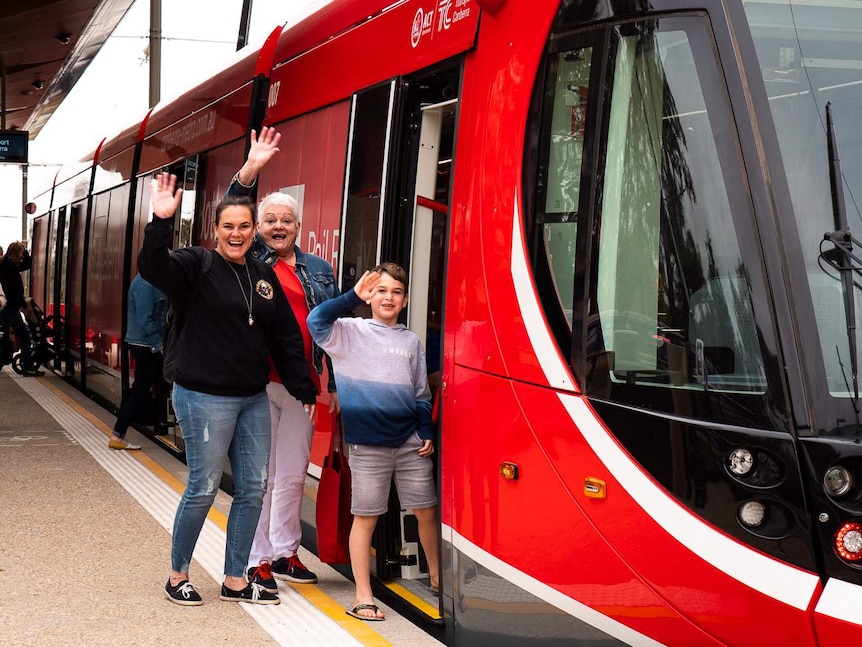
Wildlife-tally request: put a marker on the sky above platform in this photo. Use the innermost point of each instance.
(199, 38)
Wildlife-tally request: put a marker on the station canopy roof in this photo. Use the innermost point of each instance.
(45, 46)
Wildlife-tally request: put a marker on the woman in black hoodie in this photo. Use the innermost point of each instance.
(231, 315)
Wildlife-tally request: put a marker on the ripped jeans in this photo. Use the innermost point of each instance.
(214, 428)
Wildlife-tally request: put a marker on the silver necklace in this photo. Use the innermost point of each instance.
(250, 298)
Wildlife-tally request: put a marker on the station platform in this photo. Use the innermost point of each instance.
(85, 544)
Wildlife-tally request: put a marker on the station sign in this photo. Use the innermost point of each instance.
(13, 146)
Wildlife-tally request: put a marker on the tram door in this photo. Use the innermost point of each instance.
(55, 284)
(74, 340)
(167, 430)
(427, 211)
(407, 223)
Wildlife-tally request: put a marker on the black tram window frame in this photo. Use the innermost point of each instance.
(187, 171)
(766, 409)
(537, 151)
(367, 176)
(770, 404)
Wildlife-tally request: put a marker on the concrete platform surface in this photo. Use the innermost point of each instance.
(85, 544)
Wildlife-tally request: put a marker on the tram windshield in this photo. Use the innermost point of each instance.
(642, 264)
(810, 54)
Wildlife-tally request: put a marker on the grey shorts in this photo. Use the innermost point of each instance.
(371, 471)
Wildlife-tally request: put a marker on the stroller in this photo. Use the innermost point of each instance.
(41, 339)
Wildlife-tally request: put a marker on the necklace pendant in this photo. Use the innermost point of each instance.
(250, 320)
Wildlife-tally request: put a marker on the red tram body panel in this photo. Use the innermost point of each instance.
(648, 430)
(221, 120)
(405, 38)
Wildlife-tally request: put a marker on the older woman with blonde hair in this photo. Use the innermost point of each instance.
(307, 280)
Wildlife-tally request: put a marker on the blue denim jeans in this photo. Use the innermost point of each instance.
(214, 428)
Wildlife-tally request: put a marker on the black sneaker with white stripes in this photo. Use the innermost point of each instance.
(183, 593)
(252, 593)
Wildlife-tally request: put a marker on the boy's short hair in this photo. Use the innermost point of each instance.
(395, 271)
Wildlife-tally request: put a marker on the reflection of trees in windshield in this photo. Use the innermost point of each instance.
(674, 297)
(681, 260)
(665, 184)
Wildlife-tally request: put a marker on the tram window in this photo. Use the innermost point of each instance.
(570, 78)
(186, 173)
(671, 306)
(361, 237)
(567, 92)
(810, 54)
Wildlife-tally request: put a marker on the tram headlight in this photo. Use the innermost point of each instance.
(740, 461)
(752, 513)
(837, 480)
(848, 542)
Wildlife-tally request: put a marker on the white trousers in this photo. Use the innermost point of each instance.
(279, 530)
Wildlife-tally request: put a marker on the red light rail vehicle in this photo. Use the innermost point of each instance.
(629, 227)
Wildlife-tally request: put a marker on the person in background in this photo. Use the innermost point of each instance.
(307, 280)
(386, 404)
(6, 350)
(2, 292)
(15, 261)
(231, 315)
(147, 308)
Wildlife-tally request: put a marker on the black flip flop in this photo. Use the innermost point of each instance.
(360, 607)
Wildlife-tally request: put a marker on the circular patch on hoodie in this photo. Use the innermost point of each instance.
(264, 289)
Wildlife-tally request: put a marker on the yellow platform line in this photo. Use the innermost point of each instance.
(401, 591)
(359, 629)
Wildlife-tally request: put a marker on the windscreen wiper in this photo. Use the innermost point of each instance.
(841, 257)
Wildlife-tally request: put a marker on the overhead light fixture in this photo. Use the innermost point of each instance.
(64, 37)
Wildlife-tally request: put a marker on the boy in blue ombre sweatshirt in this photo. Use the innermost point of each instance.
(385, 401)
